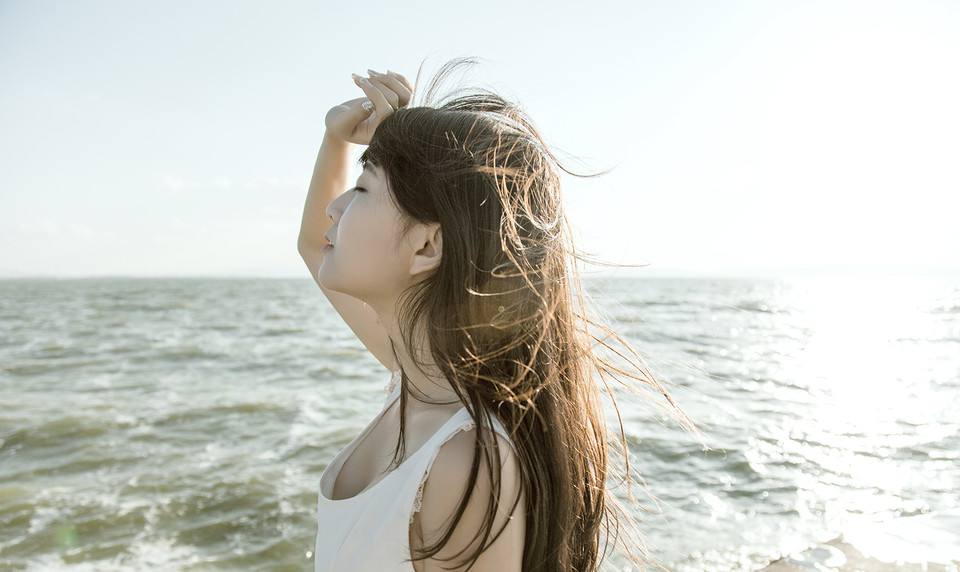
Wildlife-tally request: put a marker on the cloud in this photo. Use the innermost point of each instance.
(223, 183)
(174, 183)
(45, 227)
(55, 229)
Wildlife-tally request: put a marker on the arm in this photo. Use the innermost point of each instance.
(442, 495)
(347, 124)
(330, 178)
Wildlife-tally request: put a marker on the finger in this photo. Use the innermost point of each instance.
(396, 85)
(343, 119)
(359, 108)
(388, 93)
(401, 79)
(380, 103)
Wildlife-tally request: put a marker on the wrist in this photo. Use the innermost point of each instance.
(332, 141)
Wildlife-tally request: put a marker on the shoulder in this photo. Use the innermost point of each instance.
(448, 484)
(455, 459)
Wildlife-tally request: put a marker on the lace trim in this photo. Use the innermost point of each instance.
(392, 384)
(418, 500)
(466, 426)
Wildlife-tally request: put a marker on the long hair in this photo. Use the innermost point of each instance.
(504, 318)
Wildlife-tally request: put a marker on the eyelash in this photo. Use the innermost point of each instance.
(359, 189)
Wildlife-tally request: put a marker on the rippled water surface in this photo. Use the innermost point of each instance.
(183, 424)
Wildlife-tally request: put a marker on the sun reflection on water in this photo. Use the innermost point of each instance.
(861, 360)
(828, 405)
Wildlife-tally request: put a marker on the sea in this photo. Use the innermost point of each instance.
(183, 424)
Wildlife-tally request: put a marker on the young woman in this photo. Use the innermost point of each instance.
(450, 258)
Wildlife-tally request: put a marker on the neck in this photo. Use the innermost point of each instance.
(427, 387)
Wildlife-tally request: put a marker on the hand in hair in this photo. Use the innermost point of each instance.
(356, 120)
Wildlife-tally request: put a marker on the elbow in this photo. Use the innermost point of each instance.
(301, 246)
(304, 247)
(310, 254)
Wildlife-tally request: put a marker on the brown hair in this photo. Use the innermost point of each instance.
(505, 319)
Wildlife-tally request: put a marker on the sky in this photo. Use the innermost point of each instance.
(177, 138)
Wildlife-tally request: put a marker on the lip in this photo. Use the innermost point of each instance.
(329, 241)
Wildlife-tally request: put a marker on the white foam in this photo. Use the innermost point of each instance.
(820, 557)
(916, 539)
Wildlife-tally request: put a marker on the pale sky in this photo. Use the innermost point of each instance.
(178, 137)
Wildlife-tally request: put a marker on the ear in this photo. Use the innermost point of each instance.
(429, 248)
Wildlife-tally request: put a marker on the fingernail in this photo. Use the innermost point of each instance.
(371, 72)
(358, 78)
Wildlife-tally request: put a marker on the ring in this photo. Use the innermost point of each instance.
(367, 105)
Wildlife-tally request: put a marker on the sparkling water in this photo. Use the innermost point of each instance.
(183, 424)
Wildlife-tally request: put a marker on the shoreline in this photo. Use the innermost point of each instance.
(923, 543)
(840, 556)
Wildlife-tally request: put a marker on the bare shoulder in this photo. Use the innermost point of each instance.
(444, 490)
(455, 460)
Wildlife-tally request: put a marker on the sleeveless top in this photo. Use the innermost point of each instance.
(369, 532)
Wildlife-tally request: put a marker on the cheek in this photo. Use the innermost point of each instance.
(371, 240)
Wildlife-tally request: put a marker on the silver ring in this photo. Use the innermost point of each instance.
(367, 105)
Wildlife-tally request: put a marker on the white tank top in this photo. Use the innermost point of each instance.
(369, 532)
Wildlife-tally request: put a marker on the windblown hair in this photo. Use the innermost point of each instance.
(505, 320)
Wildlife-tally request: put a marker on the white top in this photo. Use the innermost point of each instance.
(370, 531)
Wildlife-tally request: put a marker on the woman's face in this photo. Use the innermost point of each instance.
(367, 258)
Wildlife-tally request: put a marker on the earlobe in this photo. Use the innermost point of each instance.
(427, 257)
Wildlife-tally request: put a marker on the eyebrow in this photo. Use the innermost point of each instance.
(366, 174)
(370, 170)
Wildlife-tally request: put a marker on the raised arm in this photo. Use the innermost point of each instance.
(352, 122)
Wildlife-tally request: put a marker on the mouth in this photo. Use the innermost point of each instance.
(329, 242)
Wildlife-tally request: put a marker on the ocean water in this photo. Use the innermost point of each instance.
(183, 424)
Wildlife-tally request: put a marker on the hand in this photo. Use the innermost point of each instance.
(357, 119)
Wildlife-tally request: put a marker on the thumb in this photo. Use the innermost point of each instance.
(353, 112)
(362, 111)
(344, 119)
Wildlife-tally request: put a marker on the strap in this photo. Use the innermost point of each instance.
(465, 424)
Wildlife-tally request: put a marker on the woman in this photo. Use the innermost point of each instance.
(451, 260)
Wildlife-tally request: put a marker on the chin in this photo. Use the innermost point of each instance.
(325, 280)
(330, 282)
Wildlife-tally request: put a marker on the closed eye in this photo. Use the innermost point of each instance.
(359, 189)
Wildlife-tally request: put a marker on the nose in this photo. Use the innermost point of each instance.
(335, 208)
